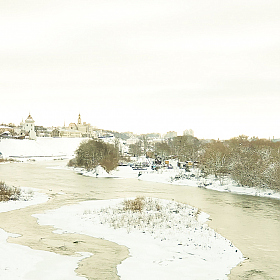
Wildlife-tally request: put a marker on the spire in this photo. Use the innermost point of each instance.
(79, 119)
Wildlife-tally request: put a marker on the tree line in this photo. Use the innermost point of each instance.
(250, 162)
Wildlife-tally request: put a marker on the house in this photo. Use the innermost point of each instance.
(70, 133)
(5, 129)
(6, 134)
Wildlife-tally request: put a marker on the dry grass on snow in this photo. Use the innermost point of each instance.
(9, 193)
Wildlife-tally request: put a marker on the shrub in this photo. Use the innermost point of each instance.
(135, 205)
(8, 193)
(92, 153)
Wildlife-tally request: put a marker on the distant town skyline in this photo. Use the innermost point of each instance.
(146, 66)
(172, 132)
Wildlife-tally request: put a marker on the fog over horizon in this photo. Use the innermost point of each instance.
(144, 66)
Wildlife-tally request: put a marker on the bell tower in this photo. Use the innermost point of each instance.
(79, 120)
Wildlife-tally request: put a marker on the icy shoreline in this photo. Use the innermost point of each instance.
(178, 176)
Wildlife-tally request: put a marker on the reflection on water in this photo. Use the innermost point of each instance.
(251, 223)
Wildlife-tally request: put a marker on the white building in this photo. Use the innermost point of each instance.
(29, 128)
(70, 133)
(80, 129)
(26, 128)
(188, 132)
(170, 134)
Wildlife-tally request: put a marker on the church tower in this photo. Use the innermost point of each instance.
(79, 120)
(29, 127)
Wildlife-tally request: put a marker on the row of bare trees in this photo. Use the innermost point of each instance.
(250, 162)
(182, 147)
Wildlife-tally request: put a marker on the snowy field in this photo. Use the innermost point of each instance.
(40, 149)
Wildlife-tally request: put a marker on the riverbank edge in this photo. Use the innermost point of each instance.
(168, 176)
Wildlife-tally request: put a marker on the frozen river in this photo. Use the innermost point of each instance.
(251, 223)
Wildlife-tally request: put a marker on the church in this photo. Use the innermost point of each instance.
(27, 128)
(78, 130)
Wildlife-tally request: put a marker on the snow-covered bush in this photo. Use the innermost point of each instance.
(9, 193)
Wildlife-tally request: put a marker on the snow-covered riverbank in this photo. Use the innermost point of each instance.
(178, 176)
(166, 240)
(64, 148)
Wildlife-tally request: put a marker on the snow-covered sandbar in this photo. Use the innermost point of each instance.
(166, 240)
(28, 197)
(22, 262)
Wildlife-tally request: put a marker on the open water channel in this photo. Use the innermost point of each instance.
(251, 223)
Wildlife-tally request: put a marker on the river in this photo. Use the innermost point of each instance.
(251, 223)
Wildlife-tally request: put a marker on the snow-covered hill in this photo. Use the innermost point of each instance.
(42, 147)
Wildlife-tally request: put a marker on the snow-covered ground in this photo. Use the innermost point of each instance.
(21, 262)
(166, 240)
(42, 148)
(28, 197)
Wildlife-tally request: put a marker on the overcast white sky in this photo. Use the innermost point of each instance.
(143, 65)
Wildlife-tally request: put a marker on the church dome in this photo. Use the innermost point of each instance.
(29, 119)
